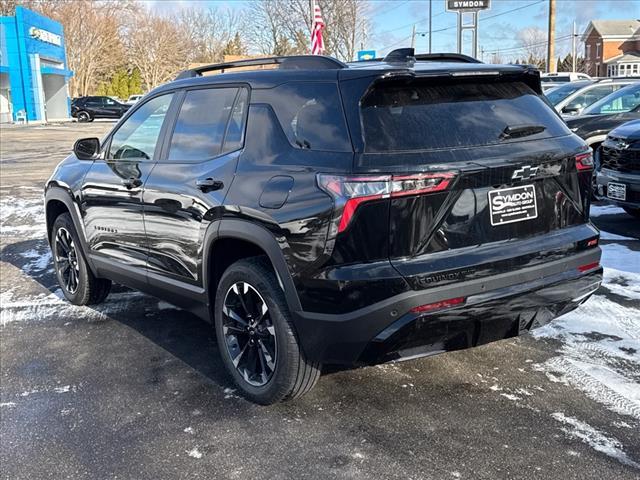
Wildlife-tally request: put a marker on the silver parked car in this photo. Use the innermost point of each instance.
(576, 102)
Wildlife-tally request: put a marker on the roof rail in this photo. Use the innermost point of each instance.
(294, 62)
(404, 55)
(446, 57)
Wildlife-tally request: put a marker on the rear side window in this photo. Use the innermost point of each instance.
(201, 124)
(311, 115)
(428, 116)
(93, 101)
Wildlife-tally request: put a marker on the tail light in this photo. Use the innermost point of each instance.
(432, 307)
(584, 161)
(349, 192)
(588, 266)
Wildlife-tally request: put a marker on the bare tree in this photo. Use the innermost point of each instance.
(157, 46)
(283, 27)
(209, 31)
(534, 43)
(92, 40)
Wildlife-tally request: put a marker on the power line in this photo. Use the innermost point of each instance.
(396, 43)
(412, 23)
(481, 19)
(525, 47)
(396, 5)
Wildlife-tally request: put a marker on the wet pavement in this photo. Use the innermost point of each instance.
(134, 389)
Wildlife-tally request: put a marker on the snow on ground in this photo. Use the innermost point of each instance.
(594, 438)
(600, 352)
(22, 216)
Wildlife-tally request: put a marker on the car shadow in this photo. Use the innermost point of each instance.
(177, 331)
(614, 220)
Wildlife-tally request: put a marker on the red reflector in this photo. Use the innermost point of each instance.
(584, 161)
(588, 266)
(430, 307)
(592, 243)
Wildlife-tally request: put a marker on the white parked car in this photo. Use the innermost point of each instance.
(133, 99)
(563, 77)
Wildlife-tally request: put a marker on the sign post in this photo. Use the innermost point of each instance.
(472, 7)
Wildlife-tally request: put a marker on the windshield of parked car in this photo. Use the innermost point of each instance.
(624, 100)
(558, 94)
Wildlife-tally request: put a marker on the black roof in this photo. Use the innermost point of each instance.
(323, 68)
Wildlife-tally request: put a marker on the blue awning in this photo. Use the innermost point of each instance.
(47, 70)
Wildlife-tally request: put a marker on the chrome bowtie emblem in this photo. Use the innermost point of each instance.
(525, 173)
(622, 145)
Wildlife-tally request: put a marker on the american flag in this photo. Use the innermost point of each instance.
(317, 43)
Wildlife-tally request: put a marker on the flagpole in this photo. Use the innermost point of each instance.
(312, 8)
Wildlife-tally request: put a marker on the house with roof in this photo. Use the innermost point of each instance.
(612, 48)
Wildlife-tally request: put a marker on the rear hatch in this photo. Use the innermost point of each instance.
(476, 175)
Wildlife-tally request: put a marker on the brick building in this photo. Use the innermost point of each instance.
(612, 48)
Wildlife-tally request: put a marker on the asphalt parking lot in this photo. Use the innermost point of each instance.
(134, 389)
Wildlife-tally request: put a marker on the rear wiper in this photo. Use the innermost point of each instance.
(517, 131)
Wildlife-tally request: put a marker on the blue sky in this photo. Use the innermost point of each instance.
(392, 21)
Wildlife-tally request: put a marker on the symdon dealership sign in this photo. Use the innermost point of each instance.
(467, 5)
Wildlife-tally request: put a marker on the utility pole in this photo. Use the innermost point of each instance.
(430, 5)
(551, 40)
(413, 36)
(573, 49)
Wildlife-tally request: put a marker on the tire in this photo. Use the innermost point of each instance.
(634, 212)
(244, 287)
(87, 289)
(83, 116)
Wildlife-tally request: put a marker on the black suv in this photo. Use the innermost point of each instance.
(618, 172)
(86, 109)
(328, 213)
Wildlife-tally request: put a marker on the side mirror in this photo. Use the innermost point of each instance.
(571, 110)
(87, 148)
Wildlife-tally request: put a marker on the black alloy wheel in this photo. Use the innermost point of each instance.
(79, 285)
(249, 334)
(83, 117)
(66, 260)
(256, 336)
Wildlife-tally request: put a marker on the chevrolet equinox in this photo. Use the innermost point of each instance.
(324, 213)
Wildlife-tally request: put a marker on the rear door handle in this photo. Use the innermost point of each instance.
(132, 183)
(209, 184)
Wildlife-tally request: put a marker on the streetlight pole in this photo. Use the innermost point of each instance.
(573, 49)
(430, 5)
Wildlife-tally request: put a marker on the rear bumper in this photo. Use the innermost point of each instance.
(632, 182)
(496, 307)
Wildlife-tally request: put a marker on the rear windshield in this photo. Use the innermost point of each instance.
(428, 116)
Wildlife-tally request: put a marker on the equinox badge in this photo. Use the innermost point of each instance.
(525, 173)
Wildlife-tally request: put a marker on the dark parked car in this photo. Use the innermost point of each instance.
(331, 213)
(597, 120)
(86, 109)
(618, 175)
